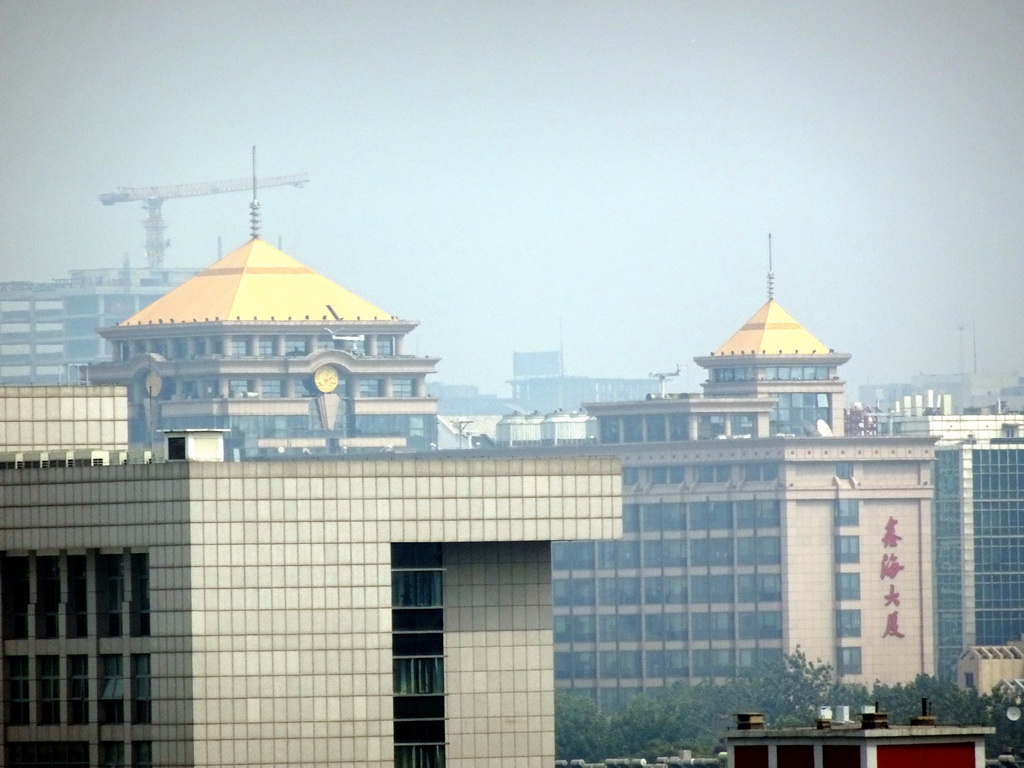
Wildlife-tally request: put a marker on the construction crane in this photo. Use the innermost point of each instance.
(153, 199)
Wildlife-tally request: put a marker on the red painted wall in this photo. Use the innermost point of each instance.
(925, 755)
(751, 756)
(841, 756)
(795, 755)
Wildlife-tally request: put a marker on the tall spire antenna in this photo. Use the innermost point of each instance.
(254, 206)
(771, 274)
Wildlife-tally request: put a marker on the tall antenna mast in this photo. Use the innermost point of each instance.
(254, 206)
(771, 274)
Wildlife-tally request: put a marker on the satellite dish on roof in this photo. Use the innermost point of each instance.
(1013, 714)
(823, 428)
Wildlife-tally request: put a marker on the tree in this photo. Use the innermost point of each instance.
(581, 730)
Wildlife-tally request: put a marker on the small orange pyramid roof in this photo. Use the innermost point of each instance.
(259, 282)
(772, 330)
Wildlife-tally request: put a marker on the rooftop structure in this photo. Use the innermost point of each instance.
(287, 360)
(870, 743)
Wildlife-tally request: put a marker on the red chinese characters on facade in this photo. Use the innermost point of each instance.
(891, 566)
(891, 540)
(890, 569)
(892, 625)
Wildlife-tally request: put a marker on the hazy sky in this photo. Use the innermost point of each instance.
(517, 175)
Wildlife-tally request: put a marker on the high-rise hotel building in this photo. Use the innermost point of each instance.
(752, 527)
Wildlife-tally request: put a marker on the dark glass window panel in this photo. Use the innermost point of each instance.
(77, 606)
(142, 695)
(15, 597)
(416, 556)
(414, 676)
(48, 597)
(419, 731)
(140, 594)
(112, 689)
(418, 707)
(18, 690)
(424, 644)
(416, 588)
(110, 587)
(419, 756)
(417, 620)
(78, 689)
(48, 671)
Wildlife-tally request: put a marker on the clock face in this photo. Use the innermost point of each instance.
(326, 378)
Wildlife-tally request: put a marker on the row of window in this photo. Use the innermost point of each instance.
(698, 662)
(106, 602)
(773, 373)
(705, 473)
(260, 346)
(674, 427)
(701, 590)
(79, 704)
(75, 754)
(634, 627)
(631, 554)
(273, 388)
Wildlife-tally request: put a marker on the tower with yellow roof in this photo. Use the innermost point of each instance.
(773, 356)
(287, 360)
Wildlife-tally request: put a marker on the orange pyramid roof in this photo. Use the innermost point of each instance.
(772, 331)
(259, 282)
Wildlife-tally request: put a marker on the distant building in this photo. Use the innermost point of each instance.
(748, 531)
(48, 329)
(984, 668)
(539, 384)
(288, 361)
(967, 390)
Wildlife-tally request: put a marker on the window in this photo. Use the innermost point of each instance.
(140, 594)
(112, 689)
(847, 586)
(78, 689)
(849, 659)
(633, 429)
(847, 549)
(848, 623)
(48, 598)
(678, 427)
(755, 588)
(17, 690)
(844, 470)
(385, 346)
(296, 345)
(847, 512)
(142, 703)
(610, 429)
(238, 387)
(655, 429)
(665, 626)
(110, 586)
(48, 754)
(112, 754)
(77, 606)
(48, 669)
(371, 387)
(402, 387)
(272, 387)
(619, 628)
(142, 754)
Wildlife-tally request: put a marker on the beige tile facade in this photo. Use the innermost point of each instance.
(63, 418)
(270, 583)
